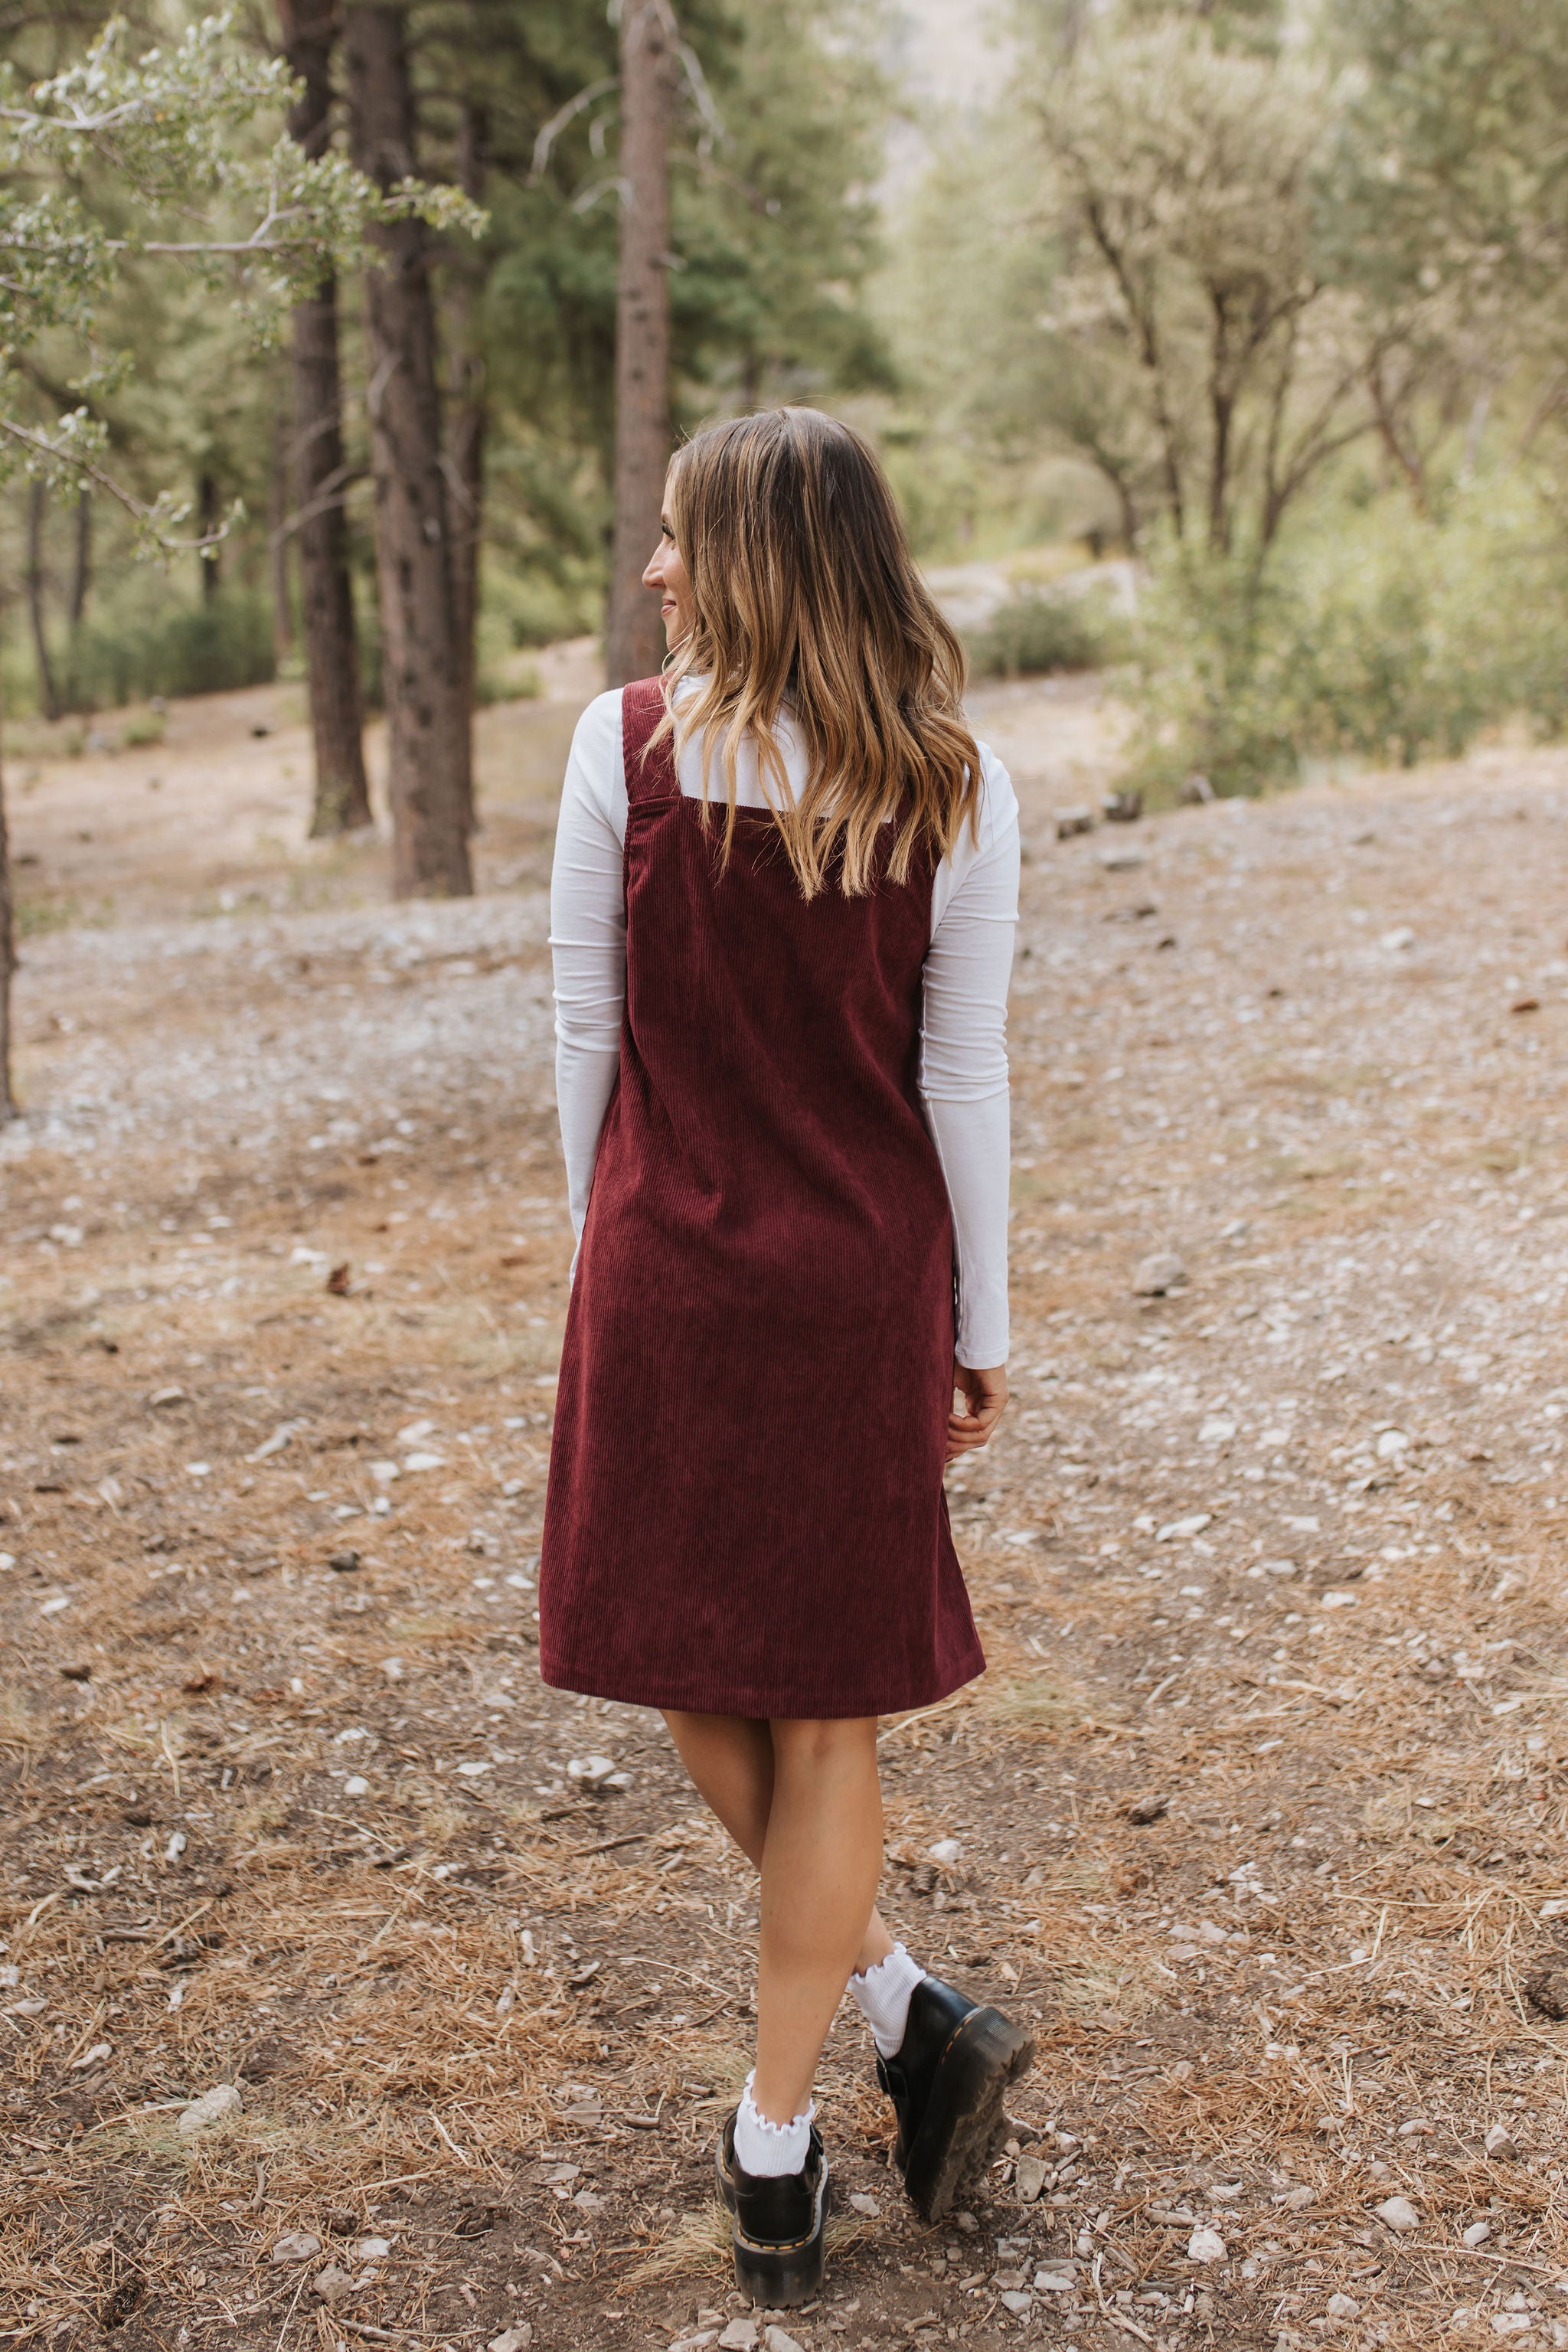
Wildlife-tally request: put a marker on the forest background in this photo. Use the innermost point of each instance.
(1229, 336)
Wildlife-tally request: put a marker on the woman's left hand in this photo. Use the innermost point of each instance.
(984, 1395)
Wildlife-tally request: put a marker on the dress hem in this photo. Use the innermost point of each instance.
(777, 1706)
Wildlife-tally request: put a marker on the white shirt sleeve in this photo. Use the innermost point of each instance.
(588, 940)
(963, 1057)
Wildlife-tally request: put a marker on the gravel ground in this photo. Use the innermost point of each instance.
(1256, 1816)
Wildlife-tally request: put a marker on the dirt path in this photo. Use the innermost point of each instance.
(1258, 1814)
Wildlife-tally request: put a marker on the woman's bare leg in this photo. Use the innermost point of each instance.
(820, 1866)
(731, 1760)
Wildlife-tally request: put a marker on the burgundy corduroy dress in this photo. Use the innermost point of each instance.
(745, 1512)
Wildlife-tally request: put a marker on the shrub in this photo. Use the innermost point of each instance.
(224, 642)
(1040, 630)
(1378, 636)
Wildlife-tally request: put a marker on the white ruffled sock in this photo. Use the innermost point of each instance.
(768, 2151)
(882, 1996)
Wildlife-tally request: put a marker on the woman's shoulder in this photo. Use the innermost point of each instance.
(599, 726)
(998, 812)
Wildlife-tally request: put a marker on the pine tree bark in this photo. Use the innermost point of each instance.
(467, 412)
(48, 696)
(277, 540)
(429, 772)
(342, 802)
(209, 514)
(76, 609)
(634, 636)
(7, 967)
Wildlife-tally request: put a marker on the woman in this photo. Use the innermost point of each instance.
(782, 913)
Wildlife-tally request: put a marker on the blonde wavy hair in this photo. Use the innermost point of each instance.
(807, 601)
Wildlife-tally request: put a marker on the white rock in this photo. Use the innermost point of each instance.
(1342, 2306)
(1478, 2233)
(1030, 2178)
(1500, 2143)
(296, 2246)
(1217, 1432)
(1398, 941)
(741, 2336)
(590, 1772)
(333, 2283)
(202, 2115)
(1513, 2323)
(1053, 2282)
(1205, 2245)
(1392, 1442)
(356, 1786)
(861, 2203)
(175, 1847)
(371, 2250)
(1178, 1530)
(698, 2343)
(1339, 1599)
(1120, 861)
(383, 1473)
(415, 1432)
(515, 2339)
(415, 1461)
(1554, 1909)
(1017, 2301)
(778, 2339)
(1399, 2213)
(945, 1851)
(473, 1770)
(1161, 1273)
(93, 2057)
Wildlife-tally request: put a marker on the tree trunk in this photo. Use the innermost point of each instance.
(48, 697)
(81, 568)
(326, 589)
(633, 639)
(427, 716)
(7, 967)
(277, 540)
(76, 613)
(466, 413)
(209, 514)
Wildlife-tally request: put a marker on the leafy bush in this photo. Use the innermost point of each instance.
(1385, 638)
(224, 642)
(1040, 630)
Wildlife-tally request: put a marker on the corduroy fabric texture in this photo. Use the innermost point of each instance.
(745, 1512)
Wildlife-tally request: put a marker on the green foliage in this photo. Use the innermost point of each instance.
(1040, 630)
(773, 235)
(1379, 637)
(224, 642)
(122, 156)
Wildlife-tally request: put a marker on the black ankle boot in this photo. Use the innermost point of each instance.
(947, 2084)
(778, 2224)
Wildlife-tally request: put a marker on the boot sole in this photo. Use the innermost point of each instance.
(964, 2121)
(780, 2276)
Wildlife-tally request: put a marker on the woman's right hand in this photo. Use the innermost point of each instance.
(984, 1395)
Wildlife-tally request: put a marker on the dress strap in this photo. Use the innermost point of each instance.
(653, 777)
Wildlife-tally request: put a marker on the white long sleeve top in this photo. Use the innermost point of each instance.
(962, 1074)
